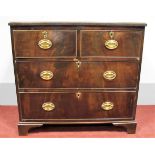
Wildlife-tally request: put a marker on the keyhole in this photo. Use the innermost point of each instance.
(111, 35)
(78, 64)
(45, 34)
(78, 95)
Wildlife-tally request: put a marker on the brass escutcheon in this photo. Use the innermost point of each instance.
(109, 75)
(107, 105)
(46, 75)
(78, 63)
(45, 43)
(78, 94)
(48, 106)
(111, 43)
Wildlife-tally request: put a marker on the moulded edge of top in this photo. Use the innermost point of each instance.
(75, 24)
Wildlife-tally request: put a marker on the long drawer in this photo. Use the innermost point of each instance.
(83, 105)
(43, 74)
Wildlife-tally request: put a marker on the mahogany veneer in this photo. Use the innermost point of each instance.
(77, 73)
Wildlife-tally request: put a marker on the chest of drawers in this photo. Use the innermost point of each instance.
(77, 73)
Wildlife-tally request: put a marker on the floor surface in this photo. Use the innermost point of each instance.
(145, 129)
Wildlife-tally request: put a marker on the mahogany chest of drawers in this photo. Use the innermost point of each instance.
(77, 73)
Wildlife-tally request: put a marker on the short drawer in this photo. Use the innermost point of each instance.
(46, 74)
(101, 105)
(108, 74)
(45, 43)
(114, 43)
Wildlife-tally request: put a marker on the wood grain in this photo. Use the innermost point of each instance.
(67, 74)
(26, 43)
(85, 42)
(68, 106)
(93, 43)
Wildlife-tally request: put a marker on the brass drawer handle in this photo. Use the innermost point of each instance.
(107, 105)
(48, 106)
(45, 43)
(111, 43)
(109, 75)
(46, 75)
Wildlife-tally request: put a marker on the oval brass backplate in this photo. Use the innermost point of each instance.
(46, 75)
(48, 106)
(45, 44)
(109, 75)
(107, 105)
(111, 44)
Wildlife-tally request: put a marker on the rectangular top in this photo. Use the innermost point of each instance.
(75, 24)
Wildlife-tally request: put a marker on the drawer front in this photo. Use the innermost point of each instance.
(111, 43)
(44, 43)
(88, 105)
(68, 75)
(108, 74)
(33, 74)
